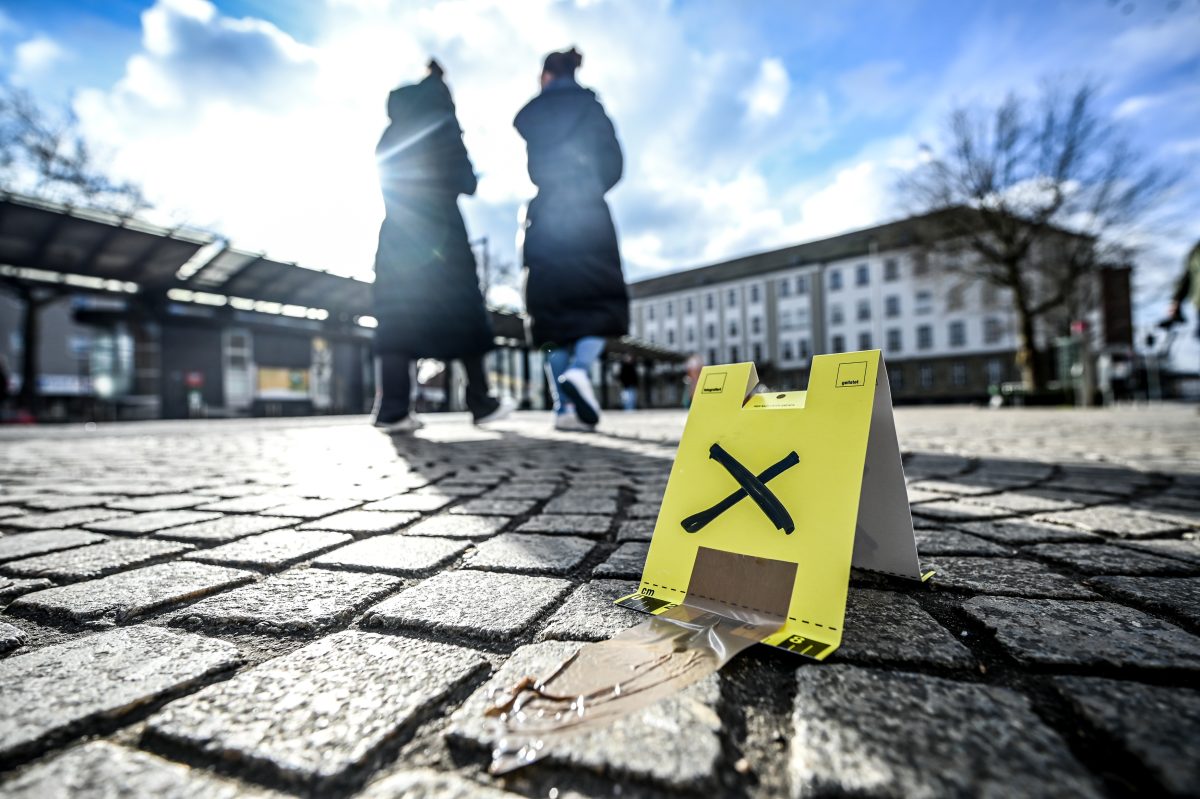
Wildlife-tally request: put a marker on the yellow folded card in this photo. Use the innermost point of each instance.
(773, 496)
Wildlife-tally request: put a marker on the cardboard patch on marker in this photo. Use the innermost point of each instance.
(771, 499)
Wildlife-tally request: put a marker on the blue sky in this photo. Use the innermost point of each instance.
(746, 125)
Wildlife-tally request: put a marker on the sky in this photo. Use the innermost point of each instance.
(746, 126)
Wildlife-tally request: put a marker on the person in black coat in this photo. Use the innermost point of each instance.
(426, 295)
(574, 288)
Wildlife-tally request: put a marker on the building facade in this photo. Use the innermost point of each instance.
(945, 336)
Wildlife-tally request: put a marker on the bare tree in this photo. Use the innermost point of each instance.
(45, 154)
(1040, 196)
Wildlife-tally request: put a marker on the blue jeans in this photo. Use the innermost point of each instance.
(580, 354)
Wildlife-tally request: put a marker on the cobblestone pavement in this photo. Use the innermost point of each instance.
(308, 607)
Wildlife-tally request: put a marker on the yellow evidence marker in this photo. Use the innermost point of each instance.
(773, 496)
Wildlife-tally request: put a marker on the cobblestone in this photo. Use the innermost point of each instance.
(13, 587)
(101, 770)
(14, 547)
(273, 550)
(1004, 576)
(1155, 725)
(1182, 549)
(887, 627)
(1063, 632)
(404, 555)
(530, 554)
(864, 732)
(51, 693)
(311, 508)
(1092, 559)
(475, 528)
(489, 506)
(226, 528)
(421, 501)
(11, 638)
(430, 784)
(1179, 597)
(297, 601)
(626, 561)
(1124, 522)
(63, 518)
(674, 742)
(159, 502)
(363, 522)
(953, 542)
(590, 615)
(476, 604)
(89, 562)
(1015, 532)
(566, 524)
(124, 596)
(314, 716)
(142, 523)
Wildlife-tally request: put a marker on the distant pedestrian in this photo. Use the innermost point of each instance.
(627, 375)
(574, 289)
(427, 297)
(691, 368)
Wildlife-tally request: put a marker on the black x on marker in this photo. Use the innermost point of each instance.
(753, 486)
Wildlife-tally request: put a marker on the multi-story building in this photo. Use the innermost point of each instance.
(945, 336)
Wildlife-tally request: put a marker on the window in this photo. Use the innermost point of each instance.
(785, 287)
(864, 310)
(896, 378)
(757, 353)
(995, 371)
(954, 298)
(670, 338)
(710, 331)
(958, 373)
(712, 356)
(670, 309)
(733, 354)
(754, 293)
(835, 315)
(988, 295)
(785, 320)
(862, 275)
(801, 284)
(958, 334)
(687, 306)
(920, 264)
(924, 302)
(731, 300)
(891, 270)
(733, 328)
(838, 343)
(891, 306)
(787, 350)
(924, 337)
(926, 377)
(650, 312)
(803, 349)
(835, 279)
(708, 302)
(894, 340)
(691, 335)
(864, 341)
(993, 330)
(756, 325)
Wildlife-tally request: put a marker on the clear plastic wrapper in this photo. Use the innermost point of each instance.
(605, 681)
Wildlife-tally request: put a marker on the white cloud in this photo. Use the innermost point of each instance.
(35, 57)
(766, 96)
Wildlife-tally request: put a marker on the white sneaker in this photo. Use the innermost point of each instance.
(568, 423)
(408, 424)
(507, 405)
(575, 384)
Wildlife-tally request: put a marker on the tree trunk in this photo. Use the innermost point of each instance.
(27, 399)
(1027, 355)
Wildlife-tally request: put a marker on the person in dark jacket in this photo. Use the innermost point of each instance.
(426, 295)
(574, 288)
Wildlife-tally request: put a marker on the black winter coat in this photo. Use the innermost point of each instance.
(427, 296)
(574, 286)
